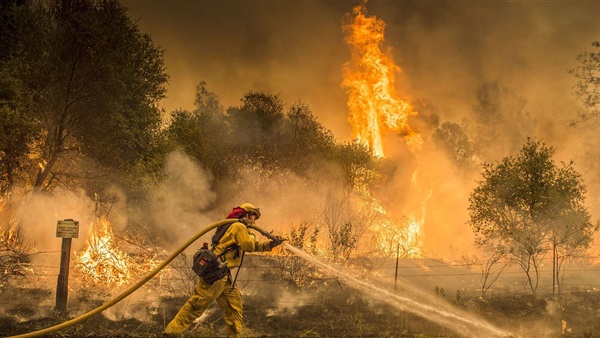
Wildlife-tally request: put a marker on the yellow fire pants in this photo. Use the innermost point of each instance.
(228, 298)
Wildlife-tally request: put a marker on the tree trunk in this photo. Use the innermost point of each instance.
(554, 269)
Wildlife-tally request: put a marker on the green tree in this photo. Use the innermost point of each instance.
(256, 135)
(267, 134)
(359, 167)
(586, 117)
(95, 82)
(17, 125)
(202, 133)
(452, 139)
(308, 143)
(570, 227)
(587, 89)
(526, 206)
(17, 134)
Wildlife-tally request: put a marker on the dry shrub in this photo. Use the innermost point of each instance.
(14, 255)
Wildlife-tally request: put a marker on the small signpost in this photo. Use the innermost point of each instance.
(66, 229)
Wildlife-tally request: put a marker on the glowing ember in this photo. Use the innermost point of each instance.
(369, 79)
(102, 263)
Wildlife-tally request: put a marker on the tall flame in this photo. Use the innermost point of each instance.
(369, 79)
(375, 111)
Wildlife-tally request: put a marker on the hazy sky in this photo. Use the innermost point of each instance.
(445, 49)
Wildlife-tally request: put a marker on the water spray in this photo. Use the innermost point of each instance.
(461, 323)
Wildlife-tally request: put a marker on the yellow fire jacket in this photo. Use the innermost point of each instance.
(239, 235)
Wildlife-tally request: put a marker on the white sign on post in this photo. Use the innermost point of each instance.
(67, 228)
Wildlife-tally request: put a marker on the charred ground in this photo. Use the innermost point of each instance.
(325, 308)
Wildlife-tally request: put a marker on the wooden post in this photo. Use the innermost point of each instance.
(62, 287)
(66, 229)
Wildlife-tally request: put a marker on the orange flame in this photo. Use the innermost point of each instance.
(390, 238)
(102, 263)
(10, 238)
(375, 111)
(369, 79)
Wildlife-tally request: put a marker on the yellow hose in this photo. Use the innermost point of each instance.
(128, 291)
(262, 231)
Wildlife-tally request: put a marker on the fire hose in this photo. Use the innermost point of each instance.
(137, 285)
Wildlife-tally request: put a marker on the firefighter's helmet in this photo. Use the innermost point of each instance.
(251, 209)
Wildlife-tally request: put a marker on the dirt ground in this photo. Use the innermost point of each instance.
(326, 309)
(339, 315)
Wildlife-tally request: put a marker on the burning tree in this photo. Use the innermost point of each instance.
(375, 110)
(370, 80)
(526, 206)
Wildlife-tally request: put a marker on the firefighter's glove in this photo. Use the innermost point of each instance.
(276, 240)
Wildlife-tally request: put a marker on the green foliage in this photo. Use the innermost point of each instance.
(256, 129)
(360, 169)
(16, 138)
(453, 140)
(309, 144)
(260, 112)
(94, 81)
(295, 270)
(203, 133)
(262, 136)
(587, 89)
(525, 203)
(275, 137)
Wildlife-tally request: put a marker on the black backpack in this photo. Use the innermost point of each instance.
(207, 265)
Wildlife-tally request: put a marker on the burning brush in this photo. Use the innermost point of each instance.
(102, 262)
(105, 263)
(14, 260)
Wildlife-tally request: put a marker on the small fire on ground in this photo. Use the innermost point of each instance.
(105, 263)
(102, 262)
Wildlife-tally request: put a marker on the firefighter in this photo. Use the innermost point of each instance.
(224, 290)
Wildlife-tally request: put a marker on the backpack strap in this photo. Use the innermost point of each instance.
(237, 272)
(219, 234)
(216, 238)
